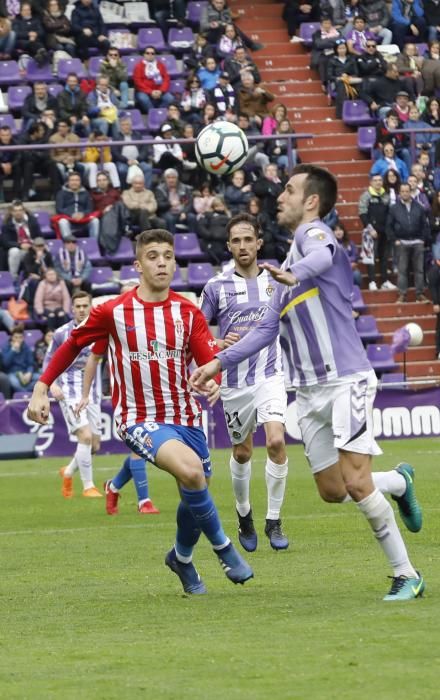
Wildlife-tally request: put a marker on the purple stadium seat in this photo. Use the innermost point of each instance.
(35, 72)
(127, 273)
(131, 62)
(180, 39)
(9, 73)
(356, 113)
(137, 119)
(54, 245)
(91, 249)
(187, 247)
(151, 36)
(199, 274)
(54, 89)
(16, 97)
(124, 254)
(155, 118)
(307, 30)
(7, 288)
(381, 358)
(102, 281)
(178, 284)
(95, 65)
(357, 300)
(71, 65)
(177, 87)
(171, 65)
(195, 9)
(32, 336)
(43, 219)
(8, 120)
(4, 338)
(393, 378)
(366, 138)
(367, 328)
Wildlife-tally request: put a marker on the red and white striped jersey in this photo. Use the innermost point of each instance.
(151, 345)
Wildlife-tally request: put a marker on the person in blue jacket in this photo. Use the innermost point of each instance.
(407, 20)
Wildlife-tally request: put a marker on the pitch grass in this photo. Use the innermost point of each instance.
(88, 609)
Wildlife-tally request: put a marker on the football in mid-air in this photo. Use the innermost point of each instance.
(415, 334)
(221, 148)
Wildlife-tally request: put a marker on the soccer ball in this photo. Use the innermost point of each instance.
(415, 334)
(221, 148)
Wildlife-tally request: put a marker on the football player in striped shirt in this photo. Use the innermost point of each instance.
(253, 392)
(153, 334)
(327, 364)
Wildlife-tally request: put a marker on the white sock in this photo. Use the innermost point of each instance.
(276, 475)
(112, 488)
(386, 482)
(241, 477)
(380, 515)
(71, 467)
(84, 459)
(142, 501)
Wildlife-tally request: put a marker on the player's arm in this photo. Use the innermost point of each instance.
(55, 388)
(98, 351)
(203, 347)
(317, 247)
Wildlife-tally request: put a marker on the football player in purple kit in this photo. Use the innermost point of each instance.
(253, 392)
(327, 364)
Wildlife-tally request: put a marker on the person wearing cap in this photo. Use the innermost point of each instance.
(381, 94)
(223, 95)
(174, 203)
(151, 82)
(402, 105)
(73, 265)
(18, 229)
(167, 153)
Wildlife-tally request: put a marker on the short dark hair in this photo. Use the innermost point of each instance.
(321, 182)
(19, 328)
(153, 235)
(245, 218)
(80, 294)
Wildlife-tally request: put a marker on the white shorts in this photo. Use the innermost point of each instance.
(250, 406)
(89, 416)
(337, 416)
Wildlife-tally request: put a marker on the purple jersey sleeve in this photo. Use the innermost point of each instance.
(317, 261)
(208, 302)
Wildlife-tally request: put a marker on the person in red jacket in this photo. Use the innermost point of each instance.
(151, 82)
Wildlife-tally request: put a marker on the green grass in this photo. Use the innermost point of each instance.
(88, 609)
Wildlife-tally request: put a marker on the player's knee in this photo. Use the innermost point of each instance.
(193, 476)
(96, 444)
(276, 447)
(332, 495)
(84, 436)
(242, 453)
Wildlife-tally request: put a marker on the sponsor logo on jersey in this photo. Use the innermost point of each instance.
(179, 327)
(155, 353)
(316, 233)
(240, 317)
(269, 290)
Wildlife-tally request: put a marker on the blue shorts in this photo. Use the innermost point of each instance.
(145, 439)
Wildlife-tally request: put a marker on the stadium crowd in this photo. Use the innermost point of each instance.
(163, 71)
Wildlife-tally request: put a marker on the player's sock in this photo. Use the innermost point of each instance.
(205, 514)
(71, 467)
(380, 515)
(122, 477)
(241, 477)
(83, 456)
(276, 475)
(386, 482)
(187, 535)
(139, 474)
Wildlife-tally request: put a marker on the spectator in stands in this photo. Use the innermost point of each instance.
(209, 73)
(103, 107)
(74, 209)
(351, 250)
(256, 154)
(163, 11)
(151, 82)
(9, 162)
(52, 303)
(167, 153)
(18, 230)
(29, 35)
(240, 63)
(342, 76)
(408, 64)
(371, 64)
(125, 157)
(335, 9)
(34, 264)
(57, 29)
(99, 158)
(238, 193)
(323, 47)
(37, 161)
(253, 99)
(223, 95)
(275, 239)
(7, 39)
(174, 203)
(358, 38)
(40, 350)
(278, 112)
(174, 118)
(113, 68)
(202, 199)
(268, 188)
(18, 362)
(66, 159)
(417, 194)
(200, 50)
(193, 100)
(408, 231)
(209, 115)
(424, 161)
(141, 206)
(391, 183)
(88, 29)
(401, 105)
(295, 12)
(420, 139)
(407, 20)
(192, 174)
(377, 17)
(36, 103)
(423, 182)
(374, 205)
(228, 42)
(384, 134)
(381, 94)
(431, 10)
(73, 265)
(215, 16)
(278, 149)
(107, 202)
(389, 161)
(73, 106)
(211, 230)
(430, 69)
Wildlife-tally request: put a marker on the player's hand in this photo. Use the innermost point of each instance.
(56, 392)
(81, 405)
(203, 374)
(280, 275)
(230, 339)
(38, 407)
(212, 393)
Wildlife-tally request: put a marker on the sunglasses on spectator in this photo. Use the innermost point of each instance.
(371, 46)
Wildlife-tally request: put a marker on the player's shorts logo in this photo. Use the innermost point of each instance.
(236, 434)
